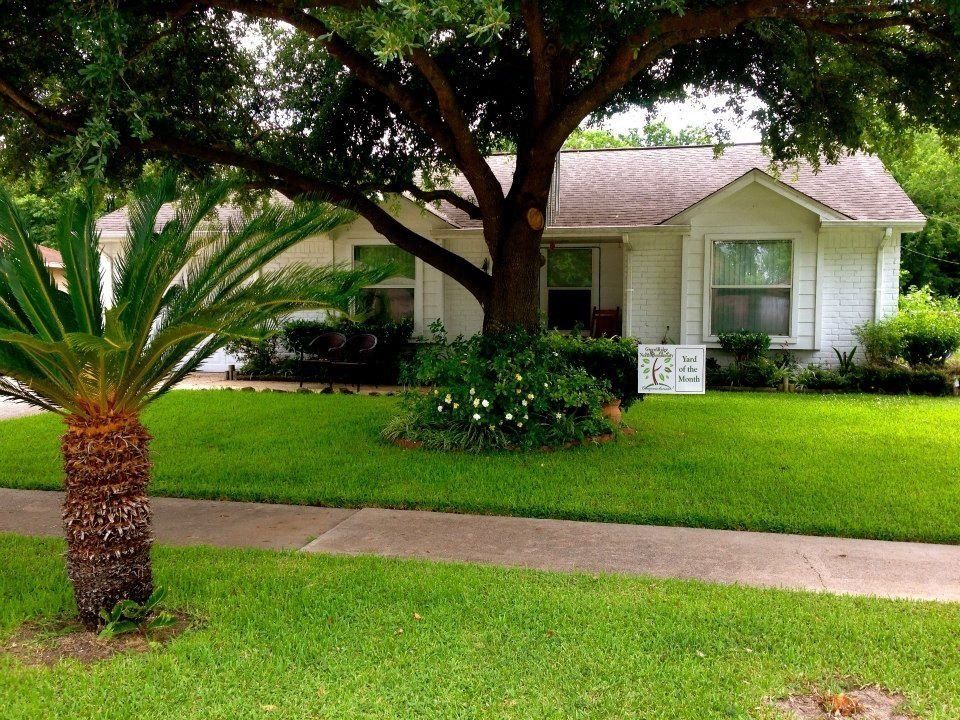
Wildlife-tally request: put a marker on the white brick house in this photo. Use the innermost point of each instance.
(684, 242)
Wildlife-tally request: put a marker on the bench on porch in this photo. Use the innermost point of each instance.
(333, 354)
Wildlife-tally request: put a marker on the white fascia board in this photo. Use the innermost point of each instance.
(904, 226)
(612, 232)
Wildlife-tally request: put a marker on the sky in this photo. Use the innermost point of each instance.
(708, 112)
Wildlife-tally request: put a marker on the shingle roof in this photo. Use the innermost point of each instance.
(116, 221)
(51, 258)
(646, 186)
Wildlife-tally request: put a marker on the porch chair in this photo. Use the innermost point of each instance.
(355, 357)
(605, 323)
(323, 350)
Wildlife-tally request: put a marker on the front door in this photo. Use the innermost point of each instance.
(570, 286)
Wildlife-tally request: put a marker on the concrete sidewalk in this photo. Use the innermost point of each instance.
(858, 567)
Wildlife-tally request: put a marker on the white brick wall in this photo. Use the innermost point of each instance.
(653, 271)
(849, 283)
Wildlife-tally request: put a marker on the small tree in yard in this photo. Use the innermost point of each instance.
(180, 293)
(353, 99)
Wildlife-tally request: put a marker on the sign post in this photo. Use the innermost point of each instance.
(672, 369)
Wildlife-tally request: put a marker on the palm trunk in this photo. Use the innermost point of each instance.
(106, 512)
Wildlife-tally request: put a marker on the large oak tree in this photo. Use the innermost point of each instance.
(354, 99)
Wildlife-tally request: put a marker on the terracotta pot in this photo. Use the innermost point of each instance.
(612, 412)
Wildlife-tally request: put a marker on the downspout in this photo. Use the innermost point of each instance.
(878, 285)
(627, 288)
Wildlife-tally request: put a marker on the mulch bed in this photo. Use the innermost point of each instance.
(866, 703)
(48, 641)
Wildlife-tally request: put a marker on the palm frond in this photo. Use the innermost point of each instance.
(182, 289)
(79, 246)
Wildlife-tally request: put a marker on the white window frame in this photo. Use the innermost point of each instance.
(416, 283)
(712, 239)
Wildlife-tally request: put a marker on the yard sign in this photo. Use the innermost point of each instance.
(671, 369)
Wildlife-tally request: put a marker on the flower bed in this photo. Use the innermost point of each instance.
(511, 390)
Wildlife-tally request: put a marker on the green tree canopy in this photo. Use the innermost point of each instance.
(355, 98)
(654, 134)
(927, 165)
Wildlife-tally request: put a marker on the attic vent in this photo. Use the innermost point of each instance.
(553, 199)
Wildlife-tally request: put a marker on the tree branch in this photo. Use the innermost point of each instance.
(540, 61)
(640, 50)
(444, 194)
(449, 129)
(274, 175)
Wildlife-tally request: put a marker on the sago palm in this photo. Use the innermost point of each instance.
(98, 354)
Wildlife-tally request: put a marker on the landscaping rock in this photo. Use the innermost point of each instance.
(248, 389)
(345, 391)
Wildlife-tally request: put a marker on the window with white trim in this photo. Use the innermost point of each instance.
(751, 286)
(394, 297)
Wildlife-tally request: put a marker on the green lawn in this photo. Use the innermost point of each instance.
(864, 466)
(295, 636)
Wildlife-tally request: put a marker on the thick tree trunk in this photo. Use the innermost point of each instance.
(106, 512)
(514, 299)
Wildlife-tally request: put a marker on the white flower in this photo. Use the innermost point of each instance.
(509, 416)
(546, 384)
(485, 403)
(559, 416)
(473, 391)
(476, 402)
(476, 416)
(439, 408)
(436, 392)
(526, 417)
(492, 427)
(456, 405)
(530, 396)
(519, 424)
(523, 402)
(448, 399)
(519, 377)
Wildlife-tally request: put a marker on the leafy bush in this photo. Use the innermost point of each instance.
(750, 373)
(815, 377)
(845, 363)
(259, 357)
(880, 341)
(129, 616)
(925, 332)
(899, 380)
(744, 345)
(511, 390)
(610, 359)
(873, 379)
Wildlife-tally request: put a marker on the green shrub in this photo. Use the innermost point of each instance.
(759, 373)
(874, 379)
(610, 359)
(925, 332)
(815, 377)
(744, 345)
(900, 381)
(511, 390)
(880, 341)
(260, 357)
